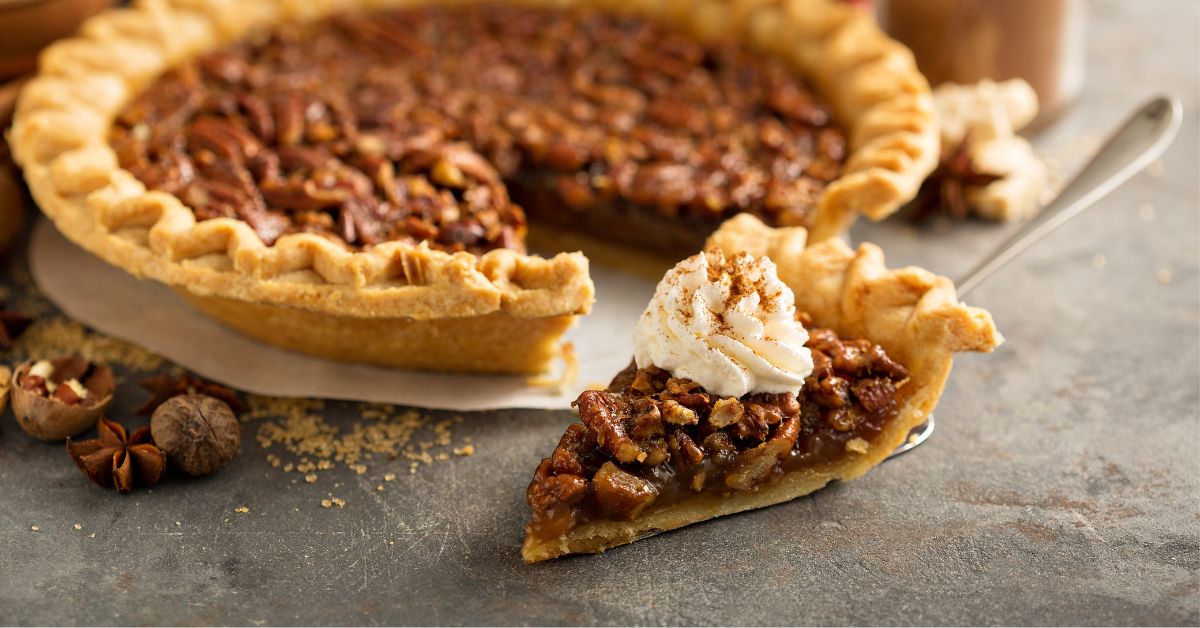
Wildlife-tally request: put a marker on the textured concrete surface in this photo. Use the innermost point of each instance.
(1061, 487)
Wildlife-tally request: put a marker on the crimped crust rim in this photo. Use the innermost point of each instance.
(59, 137)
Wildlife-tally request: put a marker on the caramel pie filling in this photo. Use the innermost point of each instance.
(436, 124)
(651, 439)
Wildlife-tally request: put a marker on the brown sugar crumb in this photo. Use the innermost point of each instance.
(300, 429)
(242, 509)
(78, 527)
(59, 336)
(857, 445)
(35, 528)
(325, 503)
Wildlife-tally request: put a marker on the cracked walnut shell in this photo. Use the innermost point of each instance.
(70, 397)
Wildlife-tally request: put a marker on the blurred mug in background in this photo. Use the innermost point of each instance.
(965, 41)
(27, 26)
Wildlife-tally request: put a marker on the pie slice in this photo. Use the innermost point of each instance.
(658, 450)
(355, 178)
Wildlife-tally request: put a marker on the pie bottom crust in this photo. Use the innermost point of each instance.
(912, 313)
(488, 343)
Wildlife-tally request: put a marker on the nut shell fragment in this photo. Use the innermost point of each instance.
(50, 419)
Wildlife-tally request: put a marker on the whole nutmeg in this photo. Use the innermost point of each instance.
(198, 433)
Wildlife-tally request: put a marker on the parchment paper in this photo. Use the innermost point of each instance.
(150, 315)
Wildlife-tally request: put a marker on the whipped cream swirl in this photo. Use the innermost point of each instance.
(727, 324)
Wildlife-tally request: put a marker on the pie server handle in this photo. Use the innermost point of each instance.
(1143, 137)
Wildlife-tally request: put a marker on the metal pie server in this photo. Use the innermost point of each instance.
(1137, 143)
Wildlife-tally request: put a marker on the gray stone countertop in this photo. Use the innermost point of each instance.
(1062, 485)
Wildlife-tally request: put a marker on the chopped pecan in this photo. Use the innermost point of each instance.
(553, 500)
(685, 453)
(647, 420)
(754, 466)
(829, 392)
(223, 138)
(677, 414)
(605, 416)
(621, 494)
(566, 458)
(875, 394)
(725, 412)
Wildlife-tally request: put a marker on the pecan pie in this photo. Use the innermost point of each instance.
(657, 450)
(353, 178)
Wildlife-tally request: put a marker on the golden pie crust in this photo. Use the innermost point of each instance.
(405, 296)
(912, 313)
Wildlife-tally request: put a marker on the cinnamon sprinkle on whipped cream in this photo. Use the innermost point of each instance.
(727, 324)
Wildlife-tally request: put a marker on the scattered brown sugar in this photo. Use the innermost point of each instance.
(315, 444)
(59, 336)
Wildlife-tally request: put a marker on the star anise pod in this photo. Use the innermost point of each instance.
(11, 326)
(119, 459)
(945, 191)
(163, 387)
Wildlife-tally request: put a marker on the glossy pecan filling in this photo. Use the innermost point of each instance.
(415, 124)
(651, 440)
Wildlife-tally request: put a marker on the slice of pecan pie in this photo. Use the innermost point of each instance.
(353, 178)
(753, 383)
